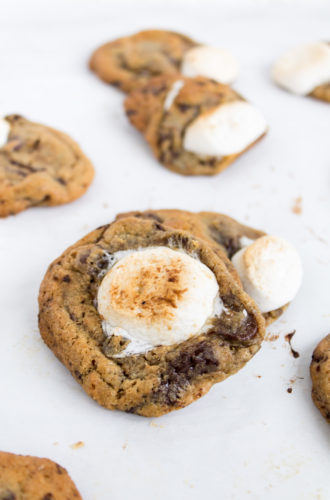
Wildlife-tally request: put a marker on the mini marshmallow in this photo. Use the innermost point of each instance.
(270, 270)
(157, 296)
(174, 91)
(210, 62)
(228, 129)
(4, 132)
(303, 69)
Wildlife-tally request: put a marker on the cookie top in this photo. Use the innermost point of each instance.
(32, 478)
(39, 166)
(118, 361)
(320, 373)
(195, 126)
(129, 62)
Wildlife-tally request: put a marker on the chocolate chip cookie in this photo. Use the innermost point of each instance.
(194, 126)
(320, 373)
(148, 312)
(129, 62)
(32, 478)
(39, 166)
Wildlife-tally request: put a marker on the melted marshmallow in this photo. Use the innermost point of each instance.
(270, 270)
(210, 62)
(174, 91)
(157, 296)
(303, 69)
(4, 132)
(228, 129)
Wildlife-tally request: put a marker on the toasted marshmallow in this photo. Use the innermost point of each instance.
(175, 89)
(4, 132)
(157, 296)
(211, 62)
(228, 129)
(270, 270)
(303, 69)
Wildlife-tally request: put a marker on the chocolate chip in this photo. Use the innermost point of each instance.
(83, 257)
(66, 278)
(289, 390)
(7, 495)
(48, 496)
(59, 469)
(78, 374)
(61, 181)
(130, 112)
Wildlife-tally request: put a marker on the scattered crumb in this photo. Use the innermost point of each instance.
(105, 205)
(288, 338)
(258, 376)
(124, 446)
(85, 227)
(297, 206)
(289, 390)
(78, 444)
(154, 424)
(316, 236)
(56, 443)
(271, 337)
(188, 484)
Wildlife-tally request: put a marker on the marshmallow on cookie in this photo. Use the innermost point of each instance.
(211, 62)
(157, 296)
(303, 69)
(270, 270)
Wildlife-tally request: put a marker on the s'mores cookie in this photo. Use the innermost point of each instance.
(129, 63)
(149, 312)
(305, 70)
(194, 126)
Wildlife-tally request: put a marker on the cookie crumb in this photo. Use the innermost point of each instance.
(154, 424)
(271, 337)
(105, 205)
(289, 390)
(78, 444)
(124, 446)
(297, 206)
(288, 338)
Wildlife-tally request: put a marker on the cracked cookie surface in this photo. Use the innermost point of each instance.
(40, 166)
(129, 62)
(167, 377)
(320, 373)
(164, 127)
(32, 478)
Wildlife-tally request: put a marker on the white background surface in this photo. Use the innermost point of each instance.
(248, 438)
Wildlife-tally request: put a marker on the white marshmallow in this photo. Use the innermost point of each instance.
(175, 89)
(211, 62)
(4, 132)
(303, 69)
(270, 270)
(157, 296)
(226, 130)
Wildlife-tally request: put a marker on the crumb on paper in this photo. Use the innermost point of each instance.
(269, 337)
(55, 443)
(105, 205)
(124, 446)
(155, 424)
(288, 338)
(289, 390)
(78, 444)
(316, 236)
(187, 483)
(297, 206)
(258, 376)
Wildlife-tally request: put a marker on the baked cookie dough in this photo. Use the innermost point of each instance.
(148, 312)
(320, 373)
(39, 166)
(128, 63)
(194, 126)
(305, 70)
(32, 478)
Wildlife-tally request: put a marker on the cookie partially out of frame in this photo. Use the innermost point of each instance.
(320, 373)
(165, 377)
(130, 62)
(166, 109)
(32, 478)
(40, 166)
